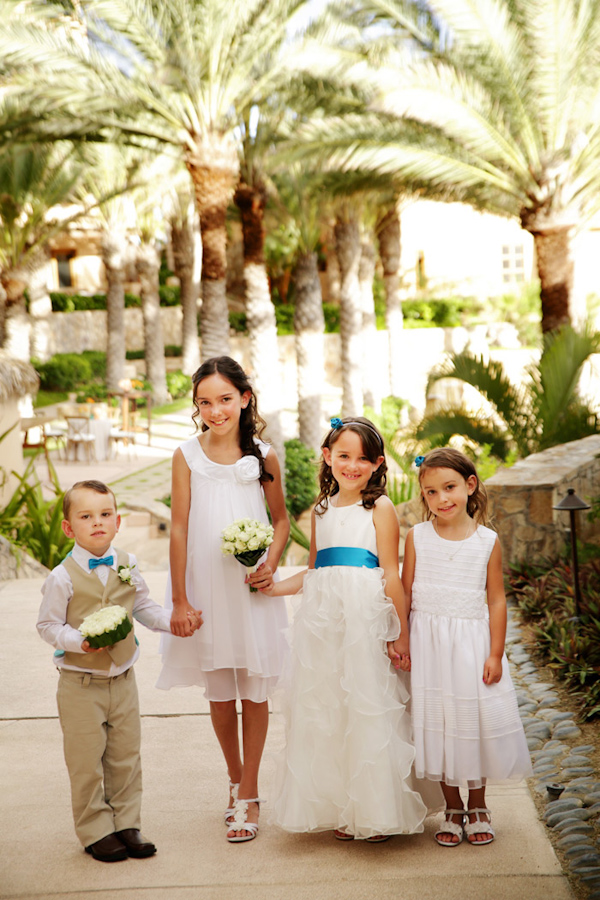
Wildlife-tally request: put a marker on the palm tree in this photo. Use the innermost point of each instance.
(299, 207)
(185, 247)
(543, 411)
(502, 114)
(35, 181)
(347, 248)
(388, 234)
(251, 198)
(184, 73)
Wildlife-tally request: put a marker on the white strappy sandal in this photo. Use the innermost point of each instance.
(480, 826)
(450, 827)
(240, 821)
(229, 813)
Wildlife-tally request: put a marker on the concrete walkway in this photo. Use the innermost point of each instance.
(185, 792)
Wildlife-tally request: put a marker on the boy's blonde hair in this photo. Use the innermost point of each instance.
(91, 485)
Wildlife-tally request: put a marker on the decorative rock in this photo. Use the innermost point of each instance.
(566, 731)
(543, 768)
(577, 770)
(525, 708)
(575, 760)
(555, 745)
(542, 688)
(595, 809)
(587, 781)
(560, 805)
(583, 853)
(559, 819)
(574, 840)
(577, 827)
(592, 798)
(534, 743)
(548, 700)
(585, 748)
(541, 729)
(551, 714)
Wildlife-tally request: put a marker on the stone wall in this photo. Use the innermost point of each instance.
(522, 499)
(16, 563)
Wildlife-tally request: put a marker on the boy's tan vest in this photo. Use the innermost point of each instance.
(90, 595)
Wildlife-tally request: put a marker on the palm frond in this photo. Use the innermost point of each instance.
(439, 427)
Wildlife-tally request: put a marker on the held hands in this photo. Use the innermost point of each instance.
(185, 620)
(399, 654)
(492, 670)
(262, 579)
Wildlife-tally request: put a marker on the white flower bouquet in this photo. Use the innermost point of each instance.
(106, 626)
(247, 540)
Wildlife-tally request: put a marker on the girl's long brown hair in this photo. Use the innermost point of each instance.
(251, 423)
(449, 458)
(372, 443)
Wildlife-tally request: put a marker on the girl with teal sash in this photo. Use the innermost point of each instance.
(347, 764)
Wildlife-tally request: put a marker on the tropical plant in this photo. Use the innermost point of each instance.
(300, 477)
(543, 411)
(545, 600)
(501, 112)
(32, 522)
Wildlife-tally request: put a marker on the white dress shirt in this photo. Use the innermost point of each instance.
(57, 591)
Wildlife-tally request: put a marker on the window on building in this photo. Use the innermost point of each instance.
(63, 262)
(513, 266)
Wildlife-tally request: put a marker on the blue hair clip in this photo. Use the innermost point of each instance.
(419, 460)
(336, 423)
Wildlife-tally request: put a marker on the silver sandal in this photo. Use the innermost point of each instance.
(450, 827)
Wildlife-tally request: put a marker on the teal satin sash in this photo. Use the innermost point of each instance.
(346, 556)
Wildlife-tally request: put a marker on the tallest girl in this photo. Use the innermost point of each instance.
(221, 475)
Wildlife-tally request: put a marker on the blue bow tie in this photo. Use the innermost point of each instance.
(105, 561)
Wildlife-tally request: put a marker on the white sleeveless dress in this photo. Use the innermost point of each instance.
(466, 733)
(348, 758)
(242, 631)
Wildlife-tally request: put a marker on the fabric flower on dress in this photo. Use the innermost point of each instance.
(247, 469)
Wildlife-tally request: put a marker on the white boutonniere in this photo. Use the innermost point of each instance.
(125, 573)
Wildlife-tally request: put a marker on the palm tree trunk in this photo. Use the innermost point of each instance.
(182, 241)
(555, 269)
(260, 314)
(388, 231)
(347, 245)
(40, 307)
(366, 274)
(148, 265)
(309, 327)
(214, 168)
(17, 325)
(113, 249)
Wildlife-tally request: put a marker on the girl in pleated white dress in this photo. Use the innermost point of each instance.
(222, 475)
(347, 764)
(466, 723)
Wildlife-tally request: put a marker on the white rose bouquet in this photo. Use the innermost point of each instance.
(247, 540)
(106, 627)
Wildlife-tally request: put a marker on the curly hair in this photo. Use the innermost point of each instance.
(372, 444)
(251, 423)
(449, 458)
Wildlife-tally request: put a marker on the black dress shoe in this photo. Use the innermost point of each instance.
(108, 849)
(135, 843)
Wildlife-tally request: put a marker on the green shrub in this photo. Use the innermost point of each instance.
(300, 477)
(446, 312)
(545, 599)
(173, 350)
(170, 294)
(178, 384)
(284, 316)
(71, 302)
(331, 311)
(237, 322)
(63, 372)
(135, 354)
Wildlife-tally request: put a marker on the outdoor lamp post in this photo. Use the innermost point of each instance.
(572, 503)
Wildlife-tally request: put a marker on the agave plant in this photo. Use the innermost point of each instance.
(545, 410)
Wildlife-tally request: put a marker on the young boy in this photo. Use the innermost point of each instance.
(97, 694)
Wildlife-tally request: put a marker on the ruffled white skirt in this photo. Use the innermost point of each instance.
(348, 758)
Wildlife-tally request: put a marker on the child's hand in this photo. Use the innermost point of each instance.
(401, 657)
(262, 579)
(87, 649)
(196, 619)
(393, 654)
(492, 670)
(182, 619)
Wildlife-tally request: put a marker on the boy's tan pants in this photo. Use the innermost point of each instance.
(100, 720)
